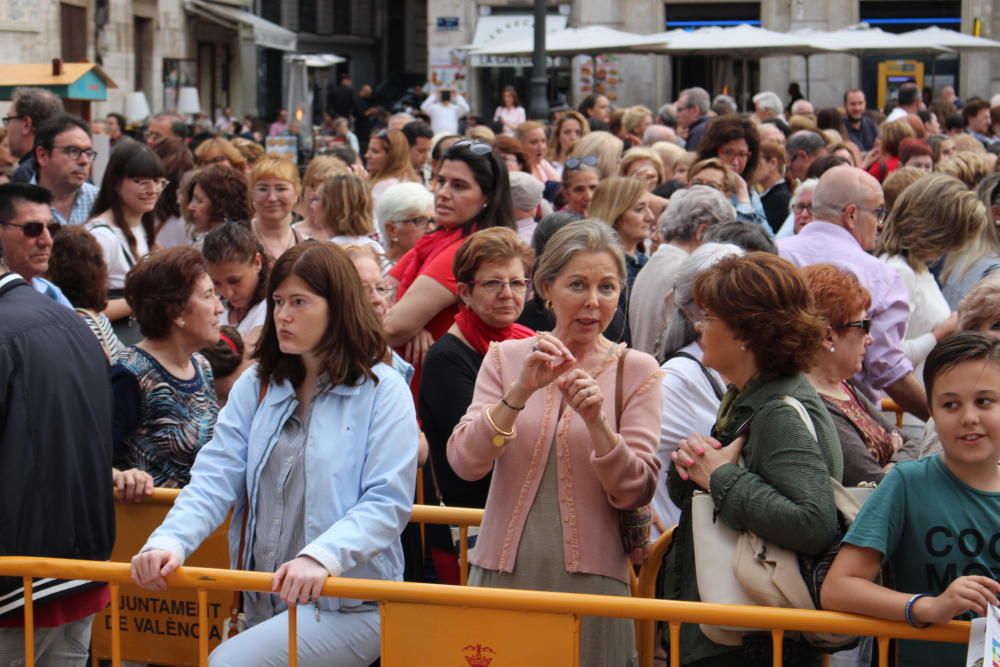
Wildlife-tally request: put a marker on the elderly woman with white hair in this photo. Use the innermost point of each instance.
(688, 216)
(404, 213)
(686, 380)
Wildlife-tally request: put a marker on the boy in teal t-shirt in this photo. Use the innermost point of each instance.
(935, 521)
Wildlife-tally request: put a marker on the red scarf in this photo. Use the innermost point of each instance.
(427, 248)
(480, 335)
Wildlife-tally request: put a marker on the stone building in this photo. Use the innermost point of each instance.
(454, 24)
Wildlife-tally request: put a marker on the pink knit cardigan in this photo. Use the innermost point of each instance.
(591, 488)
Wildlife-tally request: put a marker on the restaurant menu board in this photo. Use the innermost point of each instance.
(597, 74)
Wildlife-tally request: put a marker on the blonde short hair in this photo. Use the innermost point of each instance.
(614, 196)
(321, 168)
(277, 167)
(347, 207)
(670, 154)
(211, 149)
(633, 117)
(638, 154)
(938, 213)
(606, 147)
(970, 168)
(481, 133)
(896, 183)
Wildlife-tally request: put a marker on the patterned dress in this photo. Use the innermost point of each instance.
(161, 421)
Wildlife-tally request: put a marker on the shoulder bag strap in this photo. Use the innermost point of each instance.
(803, 414)
(237, 604)
(105, 343)
(620, 390)
(716, 389)
(125, 251)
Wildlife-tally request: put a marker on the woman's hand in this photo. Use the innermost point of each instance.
(132, 485)
(742, 193)
(697, 457)
(300, 581)
(583, 395)
(416, 348)
(150, 568)
(964, 594)
(549, 358)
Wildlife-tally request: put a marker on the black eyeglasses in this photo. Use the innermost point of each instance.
(577, 162)
(864, 325)
(474, 146)
(33, 230)
(880, 212)
(7, 119)
(74, 152)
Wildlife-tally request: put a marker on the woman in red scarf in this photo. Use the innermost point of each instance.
(471, 193)
(491, 269)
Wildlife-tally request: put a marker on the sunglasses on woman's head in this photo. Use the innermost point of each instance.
(577, 162)
(474, 146)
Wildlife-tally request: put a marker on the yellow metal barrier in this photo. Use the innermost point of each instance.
(645, 630)
(889, 405)
(462, 598)
(151, 623)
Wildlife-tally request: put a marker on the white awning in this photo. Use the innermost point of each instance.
(501, 28)
(266, 34)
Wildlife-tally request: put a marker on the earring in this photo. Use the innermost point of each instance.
(833, 349)
(548, 304)
(743, 348)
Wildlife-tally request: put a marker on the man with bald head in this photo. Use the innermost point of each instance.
(848, 211)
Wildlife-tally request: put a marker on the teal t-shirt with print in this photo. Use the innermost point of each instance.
(931, 529)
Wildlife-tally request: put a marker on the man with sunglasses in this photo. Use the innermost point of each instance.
(55, 451)
(30, 107)
(848, 212)
(26, 229)
(65, 154)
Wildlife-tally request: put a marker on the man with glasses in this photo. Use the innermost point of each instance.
(26, 229)
(848, 211)
(692, 115)
(29, 108)
(65, 154)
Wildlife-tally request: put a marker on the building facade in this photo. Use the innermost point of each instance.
(454, 25)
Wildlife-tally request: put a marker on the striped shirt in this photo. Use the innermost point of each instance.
(101, 326)
(279, 534)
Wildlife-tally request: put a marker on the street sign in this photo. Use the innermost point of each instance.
(447, 23)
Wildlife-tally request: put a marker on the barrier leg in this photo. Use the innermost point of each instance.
(29, 623)
(293, 635)
(463, 558)
(777, 647)
(203, 627)
(883, 652)
(116, 628)
(826, 660)
(675, 645)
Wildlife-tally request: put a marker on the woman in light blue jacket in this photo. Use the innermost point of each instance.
(317, 451)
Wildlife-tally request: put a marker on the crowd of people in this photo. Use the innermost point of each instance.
(580, 325)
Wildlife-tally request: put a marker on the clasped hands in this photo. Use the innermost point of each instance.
(698, 456)
(551, 361)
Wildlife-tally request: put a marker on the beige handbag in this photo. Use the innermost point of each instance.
(740, 567)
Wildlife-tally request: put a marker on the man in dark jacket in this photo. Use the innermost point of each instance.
(56, 495)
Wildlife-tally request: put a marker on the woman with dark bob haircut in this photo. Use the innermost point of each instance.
(77, 268)
(472, 193)
(214, 195)
(758, 329)
(321, 504)
(734, 140)
(165, 405)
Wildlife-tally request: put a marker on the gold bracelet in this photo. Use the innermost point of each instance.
(500, 439)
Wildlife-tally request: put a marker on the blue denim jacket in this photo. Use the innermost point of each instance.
(361, 463)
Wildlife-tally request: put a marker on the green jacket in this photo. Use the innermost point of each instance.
(782, 492)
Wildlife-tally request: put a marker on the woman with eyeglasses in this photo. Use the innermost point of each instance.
(979, 254)
(491, 269)
(567, 424)
(388, 161)
(871, 444)
(124, 223)
(472, 193)
(569, 129)
(404, 213)
(239, 272)
(580, 177)
(932, 217)
(734, 141)
(274, 189)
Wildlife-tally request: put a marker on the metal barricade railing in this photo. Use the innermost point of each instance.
(777, 621)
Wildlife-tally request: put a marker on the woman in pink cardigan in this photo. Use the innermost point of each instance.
(543, 420)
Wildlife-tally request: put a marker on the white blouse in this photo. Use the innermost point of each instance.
(117, 254)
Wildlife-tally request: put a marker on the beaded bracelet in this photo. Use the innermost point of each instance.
(908, 610)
